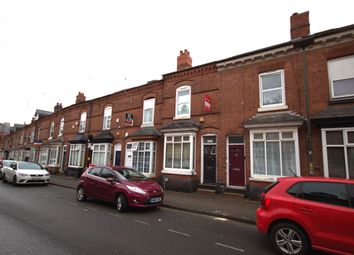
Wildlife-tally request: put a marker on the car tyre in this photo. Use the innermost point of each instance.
(288, 238)
(122, 203)
(14, 181)
(81, 195)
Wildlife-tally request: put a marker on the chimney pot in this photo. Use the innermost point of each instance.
(80, 98)
(299, 25)
(58, 107)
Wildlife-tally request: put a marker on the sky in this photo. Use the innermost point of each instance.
(51, 50)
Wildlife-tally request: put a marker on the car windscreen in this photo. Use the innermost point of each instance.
(7, 162)
(28, 166)
(131, 175)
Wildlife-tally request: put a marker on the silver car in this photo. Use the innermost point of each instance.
(23, 172)
(3, 164)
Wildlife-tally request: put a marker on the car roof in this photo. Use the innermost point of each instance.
(111, 167)
(315, 179)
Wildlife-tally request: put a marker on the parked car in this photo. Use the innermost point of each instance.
(300, 213)
(121, 185)
(3, 164)
(21, 172)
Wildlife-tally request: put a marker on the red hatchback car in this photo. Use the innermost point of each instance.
(300, 213)
(120, 185)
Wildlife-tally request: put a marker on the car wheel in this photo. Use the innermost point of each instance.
(14, 181)
(122, 203)
(288, 238)
(81, 196)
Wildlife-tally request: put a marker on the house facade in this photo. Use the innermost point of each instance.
(240, 122)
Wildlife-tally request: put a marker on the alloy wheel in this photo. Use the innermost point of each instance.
(288, 241)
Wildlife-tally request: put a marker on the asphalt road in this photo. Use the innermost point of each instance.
(48, 220)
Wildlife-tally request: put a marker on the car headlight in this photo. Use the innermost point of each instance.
(136, 189)
(23, 175)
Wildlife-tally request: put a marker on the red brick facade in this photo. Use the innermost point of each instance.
(236, 116)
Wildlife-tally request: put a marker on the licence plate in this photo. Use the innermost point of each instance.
(155, 199)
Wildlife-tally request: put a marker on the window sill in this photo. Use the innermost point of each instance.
(263, 179)
(341, 101)
(147, 125)
(272, 108)
(181, 117)
(178, 171)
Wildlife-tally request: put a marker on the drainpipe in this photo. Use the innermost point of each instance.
(303, 43)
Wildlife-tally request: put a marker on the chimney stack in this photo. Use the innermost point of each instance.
(58, 107)
(80, 98)
(299, 25)
(184, 61)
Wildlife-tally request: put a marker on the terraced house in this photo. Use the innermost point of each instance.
(239, 122)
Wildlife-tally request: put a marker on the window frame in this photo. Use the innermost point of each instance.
(53, 161)
(345, 145)
(295, 138)
(107, 152)
(192, 154)
(81, 155)
(145, 107)
(106, 125)
(43, 152)
(281, 105)
(339, 77)
(61, 127)
(82, 126)
(188, 115)
(152, 160)
(51, 130)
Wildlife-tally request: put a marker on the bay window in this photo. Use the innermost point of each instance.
(76, 158)
(43, 156)
(143, 156)
(53, 155)
(179, 153)
(338, 152)
(101, 154)
(274, 153)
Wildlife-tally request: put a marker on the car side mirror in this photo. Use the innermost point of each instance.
(111, 180)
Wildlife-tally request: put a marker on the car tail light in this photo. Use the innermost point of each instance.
(265, 201)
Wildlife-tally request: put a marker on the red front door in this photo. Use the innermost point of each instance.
(236, 165)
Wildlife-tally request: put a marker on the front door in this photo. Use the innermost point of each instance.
(236, 165)
(209, 164)
(117, 154)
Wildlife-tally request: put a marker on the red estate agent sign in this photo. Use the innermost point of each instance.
(207, 105)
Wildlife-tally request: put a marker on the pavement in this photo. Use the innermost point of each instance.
(228, 206)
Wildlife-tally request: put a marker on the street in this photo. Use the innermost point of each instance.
(49, 220)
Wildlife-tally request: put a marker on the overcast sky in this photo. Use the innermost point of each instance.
(51, 50)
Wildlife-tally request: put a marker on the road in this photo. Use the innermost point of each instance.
(48, 220)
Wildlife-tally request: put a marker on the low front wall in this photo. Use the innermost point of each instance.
(254, 189)
(179, 182)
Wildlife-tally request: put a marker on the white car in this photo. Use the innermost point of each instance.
(4, 164)
(23, 172)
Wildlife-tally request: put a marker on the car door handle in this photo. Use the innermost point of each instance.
(306, 210)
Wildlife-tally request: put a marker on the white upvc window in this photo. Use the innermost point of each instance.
(43, 156)
(143, 156)
(179, 153)
(32, 136)
(51, 130)
(148, 113)
(274, 153)
(272, 90)
(82, 122)
(53, 155)
(77, 154)
(107, 118)
(183, 102)
(61, 127)
(341, 77)
(101, 154)
(338, 152)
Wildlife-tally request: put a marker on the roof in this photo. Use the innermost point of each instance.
(334, 117)
(103, 137)
(274, 119)
(147, 131)
(42, 113)
(181, 125)
(79, 138)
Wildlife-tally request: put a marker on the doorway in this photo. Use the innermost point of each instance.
(117, 154)
(236, 158)
(209, 159)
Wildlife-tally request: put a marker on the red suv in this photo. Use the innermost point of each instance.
(300, 213)
(121, 185)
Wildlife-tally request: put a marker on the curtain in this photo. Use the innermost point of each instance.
(288, 157)
(336, 162)
(258, 158)
(273, 158)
